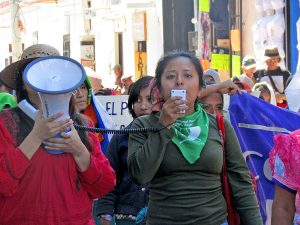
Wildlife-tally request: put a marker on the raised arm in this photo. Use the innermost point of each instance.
(225, 87)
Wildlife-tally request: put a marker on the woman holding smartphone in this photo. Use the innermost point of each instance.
(183, 161)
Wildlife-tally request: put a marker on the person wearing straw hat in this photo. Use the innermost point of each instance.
(274, 75)
(41, 188)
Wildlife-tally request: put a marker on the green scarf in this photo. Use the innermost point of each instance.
(191, 134)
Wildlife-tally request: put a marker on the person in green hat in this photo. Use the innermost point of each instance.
(7, 101)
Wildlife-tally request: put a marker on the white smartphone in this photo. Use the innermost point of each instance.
(181, 93)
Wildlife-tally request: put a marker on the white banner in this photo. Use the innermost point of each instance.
(117, 107)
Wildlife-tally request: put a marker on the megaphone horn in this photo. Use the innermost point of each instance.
(54, 78)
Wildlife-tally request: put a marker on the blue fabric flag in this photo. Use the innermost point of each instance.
(104, 122)
(256, 122)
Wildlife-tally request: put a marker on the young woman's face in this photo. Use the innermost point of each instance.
(80, 98)
(213, 104)
(143, 106)
(180, 73)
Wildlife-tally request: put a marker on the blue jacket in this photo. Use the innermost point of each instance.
(127, 197)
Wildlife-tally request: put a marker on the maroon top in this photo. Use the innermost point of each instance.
(48, 189)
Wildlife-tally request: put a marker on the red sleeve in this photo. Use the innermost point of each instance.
(13, 163)
(99, 179)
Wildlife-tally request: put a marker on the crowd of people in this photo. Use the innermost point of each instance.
(171, 176)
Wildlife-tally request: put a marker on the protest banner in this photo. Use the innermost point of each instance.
(117, 108)
(256, 122)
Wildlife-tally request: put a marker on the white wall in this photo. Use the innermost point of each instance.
(49, 21)
(250, 16)
(155, 37)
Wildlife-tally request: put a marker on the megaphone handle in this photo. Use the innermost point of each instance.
(28, 109)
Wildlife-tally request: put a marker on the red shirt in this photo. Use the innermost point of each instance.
(48, 189)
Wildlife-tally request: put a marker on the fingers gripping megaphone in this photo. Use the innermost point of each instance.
(54, 78)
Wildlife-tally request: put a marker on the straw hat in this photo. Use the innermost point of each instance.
(9, 74)
(271, 52)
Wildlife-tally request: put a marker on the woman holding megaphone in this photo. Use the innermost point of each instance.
(41, 188)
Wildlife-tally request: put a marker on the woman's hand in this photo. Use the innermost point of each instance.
(45, 128)
(171, 110)
(225, 87)
(70, 142)
(228, 87)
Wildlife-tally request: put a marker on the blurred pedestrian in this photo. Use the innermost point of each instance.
(211, 75)
(266, 92)
(242, 85)
(118, 75)
(248, 67)
(274, 75)
(127, 81)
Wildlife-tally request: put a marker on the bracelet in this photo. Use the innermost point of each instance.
(106, 217)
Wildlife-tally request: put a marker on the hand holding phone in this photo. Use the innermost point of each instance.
(181, 93)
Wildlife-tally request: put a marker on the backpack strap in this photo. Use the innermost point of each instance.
(232, 217)
(221, 128)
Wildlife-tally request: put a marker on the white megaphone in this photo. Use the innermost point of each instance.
(54, 78)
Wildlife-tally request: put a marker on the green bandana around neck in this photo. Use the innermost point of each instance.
(191, 134)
